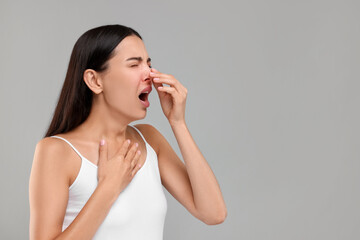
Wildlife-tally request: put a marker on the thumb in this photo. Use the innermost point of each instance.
(102, 151)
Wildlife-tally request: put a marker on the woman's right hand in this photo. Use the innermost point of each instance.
(118, 171)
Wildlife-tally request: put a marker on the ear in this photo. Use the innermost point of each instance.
(93, 81)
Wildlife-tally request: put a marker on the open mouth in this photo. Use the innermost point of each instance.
(143, 96)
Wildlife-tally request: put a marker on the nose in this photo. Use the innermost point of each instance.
(147, 73)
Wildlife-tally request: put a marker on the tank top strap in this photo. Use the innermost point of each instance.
(70, 145)
(139, 133)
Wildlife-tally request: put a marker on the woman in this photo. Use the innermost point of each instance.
(87, 181)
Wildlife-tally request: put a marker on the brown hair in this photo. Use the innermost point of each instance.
(91, 51)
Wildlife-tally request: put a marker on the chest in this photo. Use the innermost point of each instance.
(141, 205)
(91, 153)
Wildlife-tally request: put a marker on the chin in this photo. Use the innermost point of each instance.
(144, 113)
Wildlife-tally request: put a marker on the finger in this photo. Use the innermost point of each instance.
(168, 81)
(124, 148)
(156, 85)
(156, 73)
(159, 74)
(131, 152)
(170, 90)
(135, 158)
(137, 166)
(155, 70)
(103, 154)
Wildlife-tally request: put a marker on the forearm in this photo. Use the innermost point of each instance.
(208, 198)
(91, 215)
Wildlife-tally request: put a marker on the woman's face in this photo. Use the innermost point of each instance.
(127, 75)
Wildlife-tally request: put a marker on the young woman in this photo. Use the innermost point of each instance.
(96, 177)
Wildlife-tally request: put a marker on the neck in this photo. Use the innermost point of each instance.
(103, 124)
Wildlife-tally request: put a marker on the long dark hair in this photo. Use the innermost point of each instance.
(91, 51)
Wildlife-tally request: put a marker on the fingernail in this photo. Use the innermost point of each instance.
(139, 165)
(152, 73)
(128, 140)
(102, 142)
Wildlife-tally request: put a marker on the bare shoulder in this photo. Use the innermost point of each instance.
(152, 135)
(51, 154)
(51, 147)
(49, 143)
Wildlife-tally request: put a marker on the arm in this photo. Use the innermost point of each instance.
(194, 185)
(208, 199)
(48, 196)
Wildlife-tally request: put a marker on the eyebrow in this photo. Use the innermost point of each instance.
(138, 59)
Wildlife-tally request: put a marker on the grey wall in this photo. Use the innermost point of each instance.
(273, 104)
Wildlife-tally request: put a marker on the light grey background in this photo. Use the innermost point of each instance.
(273, 104)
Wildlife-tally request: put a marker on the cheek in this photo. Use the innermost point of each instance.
(120, 90)
(115, 92)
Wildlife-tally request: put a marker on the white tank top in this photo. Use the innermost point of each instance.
(137, 214)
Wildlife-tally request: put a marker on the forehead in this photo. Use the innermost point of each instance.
(130, 46)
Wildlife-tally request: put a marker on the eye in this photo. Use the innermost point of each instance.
(150, 66)
(133, 65)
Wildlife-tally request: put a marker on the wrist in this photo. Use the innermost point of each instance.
(177, 123)
(108, 190)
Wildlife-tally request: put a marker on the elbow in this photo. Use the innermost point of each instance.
(220, 218)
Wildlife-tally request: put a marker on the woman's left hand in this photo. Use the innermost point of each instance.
(172, 98)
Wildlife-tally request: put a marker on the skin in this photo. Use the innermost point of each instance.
(115, 105)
